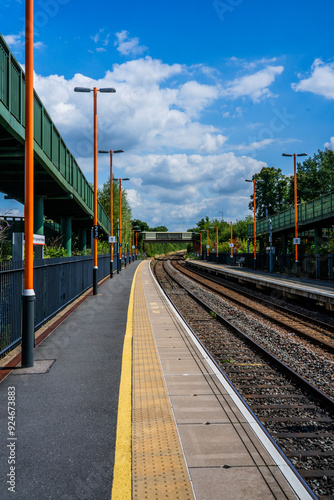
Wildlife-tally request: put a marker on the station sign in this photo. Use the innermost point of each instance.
(95, 232)
(231, 245)
(296, 241)
(37, 239)
(133, 247)
(111, 239)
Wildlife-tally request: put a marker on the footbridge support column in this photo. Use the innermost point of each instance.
(39, 225)
(66, 234)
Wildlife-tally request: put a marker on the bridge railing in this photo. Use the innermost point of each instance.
(314, 210)
(57, 282)
(46, 135)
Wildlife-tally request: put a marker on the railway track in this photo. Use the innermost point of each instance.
(315, 331)
(295, 413)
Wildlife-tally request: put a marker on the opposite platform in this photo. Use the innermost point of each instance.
(191, 437)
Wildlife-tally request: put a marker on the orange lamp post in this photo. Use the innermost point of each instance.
(95, 228)
(28, 296)
(112, 238)
(231, 240)
(296, 239)
(254, 203)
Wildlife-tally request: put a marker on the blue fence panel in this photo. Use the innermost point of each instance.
(57, 282)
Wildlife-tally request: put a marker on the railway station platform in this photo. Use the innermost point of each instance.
(124, 403)
(316, 292)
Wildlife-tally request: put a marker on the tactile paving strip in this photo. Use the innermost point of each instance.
(158, 466)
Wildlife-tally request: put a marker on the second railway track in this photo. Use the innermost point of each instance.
(299, 418)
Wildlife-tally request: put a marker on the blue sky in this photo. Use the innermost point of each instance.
(207, 93)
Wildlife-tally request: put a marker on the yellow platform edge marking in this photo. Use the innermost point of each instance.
(122, 487)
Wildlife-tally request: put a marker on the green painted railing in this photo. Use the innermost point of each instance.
(313, 211)
(48, 143)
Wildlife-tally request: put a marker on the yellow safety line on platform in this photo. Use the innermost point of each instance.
(121, 487)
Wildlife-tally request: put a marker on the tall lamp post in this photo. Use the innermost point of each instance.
(95, 230)
(254, 203)
(111, 152)
(231, 240)
(28, 296)
(296, 239)
(120, 216)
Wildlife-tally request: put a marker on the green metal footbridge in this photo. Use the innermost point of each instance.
(62, 192)
(318, 213)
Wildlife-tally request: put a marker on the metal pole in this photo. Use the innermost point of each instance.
(254, 183)
(125, 252)
(120, 223)
(296, 209)
(95, 267)
(28, 297)
(118, 249)
(111, 217)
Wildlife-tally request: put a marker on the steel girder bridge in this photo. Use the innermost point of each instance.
(62, 193)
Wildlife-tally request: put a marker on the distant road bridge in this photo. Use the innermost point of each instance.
(166, 237)
(62, 192)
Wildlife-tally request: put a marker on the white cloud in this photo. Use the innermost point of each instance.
(330, 144)
(153, 109)
(128, 46)
(321, 81)
(17, 42)
(255, 85)
(101, 38)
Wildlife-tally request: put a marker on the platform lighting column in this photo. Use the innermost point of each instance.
(231, 240)
(28, 296)
(254, 203)
(95, 229)
(296, 205)
(111, 152)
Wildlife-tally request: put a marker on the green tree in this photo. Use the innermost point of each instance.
(315, 177)
(103, 196)
(271, 192)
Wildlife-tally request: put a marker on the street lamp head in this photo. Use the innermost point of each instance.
(248, 180)
(117, 151)
(299, 154)
(81, 89)
(109, 89)
(126, 179)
